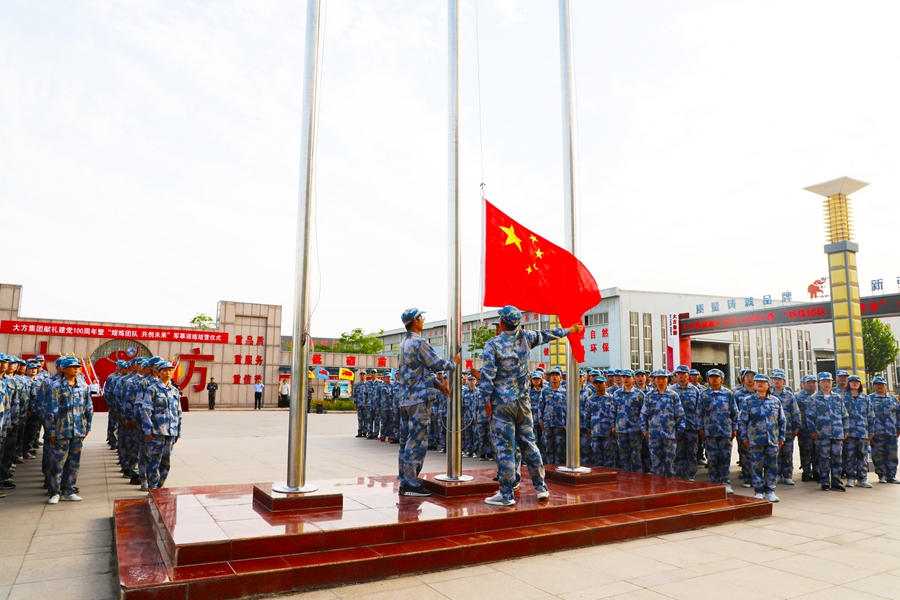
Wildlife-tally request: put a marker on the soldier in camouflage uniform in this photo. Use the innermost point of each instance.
(417, 361)
(536, 397)
(718, 417)
(808, 461)
(686, 448)
(602, 422)
(662, 423)
(761, 425)
(160, 423)
(586, 393)
(886, 408)
(827, 418)
(359, 401)
(627, 404)
(744, 389)
(860, 424)
(67, 416)
(792, 420)
(554, 400)
(470, 398)
(504, 386)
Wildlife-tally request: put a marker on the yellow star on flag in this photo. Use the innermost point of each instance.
(539, 253)
(533, 239)
(511, 237)
(528, 269)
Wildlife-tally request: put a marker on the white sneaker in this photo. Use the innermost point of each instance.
(882, 479)
(780, 479)
(71, 498)
(144, 487)
(516, 487)
(728, 489)
(851, 482)
(758, 496)
(498, 500)
(863, 484)
(543, 494)
(54, 499)
(788, 481)
(771, 497)
(746, 485)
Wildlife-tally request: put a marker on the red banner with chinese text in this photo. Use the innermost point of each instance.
(113, 332)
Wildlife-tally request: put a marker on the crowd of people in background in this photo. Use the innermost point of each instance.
(673, 423)
(51, 415)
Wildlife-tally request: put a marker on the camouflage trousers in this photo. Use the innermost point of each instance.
(511, 432)
(884, 455)
(415, 419)
(387, 421)
(786, 457)
(587, 452)
(718, 457)
(46, 458)
(603, 450)
(360, 421)
(645, 454)
(686, 454)
(808, 462)
(159, 454)
(142, 454)
(484, 441)
(8, 456)
(856, 458)
(662, 456)
(829, 454)
(763, 468)
(556, 446)
(468, 435)
(744, 457)
(629, 445)
(64, 465)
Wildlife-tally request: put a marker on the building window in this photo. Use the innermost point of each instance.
(767, 334)
(648, 341)
(532, 326)
(738, 358)
(635, 329)
(596, 319)
(760, 352)
(467, 336)
(809, 355)
(789, 357)
(665, 348)
(745, 347)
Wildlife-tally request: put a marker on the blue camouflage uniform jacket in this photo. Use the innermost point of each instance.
(860, 416)
(688, 395)
(504, 372)
(536, 397)
(470, 400)
(417, 361)
(161, 409)
(802, 398)
(886, 410)
(827, 416)
(762, 421)
(718, 412)
(68, 412)
(586, 398)
(603, 415)
(554, 406)
(628, 410)
(662, 415)
(791, 410)
(4, 409)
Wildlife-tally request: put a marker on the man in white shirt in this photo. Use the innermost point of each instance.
(257, 395)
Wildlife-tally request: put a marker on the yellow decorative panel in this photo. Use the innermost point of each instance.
(851, 260)
(842, 343)
(838, 277)
(838, 293)
(842, 327)
(840, 310)
(836, 260)
(856, 311)
(854, 278)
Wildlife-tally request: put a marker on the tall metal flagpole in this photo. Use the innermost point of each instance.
(296, 472)
(454, 304)
(573, 382)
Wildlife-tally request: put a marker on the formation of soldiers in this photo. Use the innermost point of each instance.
(144, 419)
(377, 401)
(32, 401)
(663, 423)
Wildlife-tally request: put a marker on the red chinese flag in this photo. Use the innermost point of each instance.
(525, 270)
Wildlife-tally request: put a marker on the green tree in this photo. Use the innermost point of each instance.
(480, 335)
(879, 346)
(203, 321)
(355, 342)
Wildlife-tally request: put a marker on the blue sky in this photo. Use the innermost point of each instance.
(155, 145)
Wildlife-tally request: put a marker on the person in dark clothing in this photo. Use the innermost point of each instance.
(336, 392)
(211, 390)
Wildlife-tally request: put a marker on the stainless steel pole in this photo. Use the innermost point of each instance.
(296, 471)
(454, 303)
(573, 382)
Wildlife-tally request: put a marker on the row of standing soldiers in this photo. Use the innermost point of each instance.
(144, 418)
(31, 400)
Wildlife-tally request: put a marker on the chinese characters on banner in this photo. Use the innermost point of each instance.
(749, 302)
(113, 332)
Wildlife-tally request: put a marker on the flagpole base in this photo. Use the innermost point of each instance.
(573, 469)
(453, 479)
(284, 488)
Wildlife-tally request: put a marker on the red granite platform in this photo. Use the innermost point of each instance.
(219, 542)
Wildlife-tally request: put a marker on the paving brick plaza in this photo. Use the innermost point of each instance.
(817, 544)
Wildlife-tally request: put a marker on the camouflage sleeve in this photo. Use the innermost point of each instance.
(870, 416)
(430, 359)
(782, 423)
(679, 417)
(845, 417)
(644, 418)
(701, 410)
(536, 338)
(733, 411)
(742, 423)
(88, 411)
(488, 372)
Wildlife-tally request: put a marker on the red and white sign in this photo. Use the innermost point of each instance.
(114, 332)
(673, 342)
